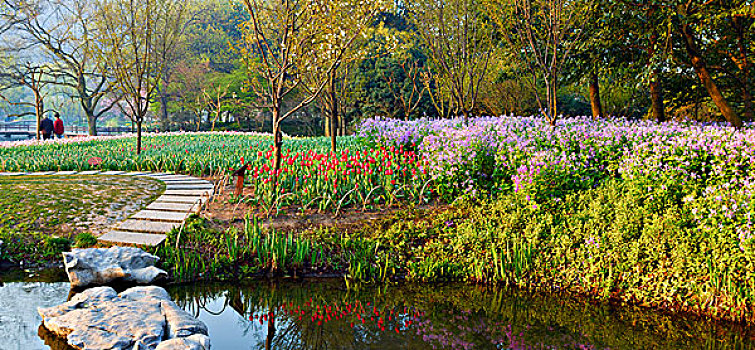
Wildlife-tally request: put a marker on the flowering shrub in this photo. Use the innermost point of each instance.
(527, 156)
(658, 214)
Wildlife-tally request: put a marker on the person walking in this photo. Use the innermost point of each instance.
(46, 128)
(58, 128)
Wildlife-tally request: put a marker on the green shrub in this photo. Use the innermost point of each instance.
(85, 240)
(54, 246)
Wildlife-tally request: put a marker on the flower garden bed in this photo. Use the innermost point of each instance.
(631, 211)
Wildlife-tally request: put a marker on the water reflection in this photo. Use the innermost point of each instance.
(19, 321)
(324, 315)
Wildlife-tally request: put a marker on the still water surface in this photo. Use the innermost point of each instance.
(326, 315)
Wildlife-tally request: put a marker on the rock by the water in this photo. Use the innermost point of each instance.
(194, 342)
(100, 266)
(142, 318)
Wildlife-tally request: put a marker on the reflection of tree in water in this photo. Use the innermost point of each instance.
(324, 315)
(311, 316)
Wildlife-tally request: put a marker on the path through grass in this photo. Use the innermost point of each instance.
(63, 205)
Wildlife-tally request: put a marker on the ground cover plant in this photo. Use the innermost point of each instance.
(45, 215)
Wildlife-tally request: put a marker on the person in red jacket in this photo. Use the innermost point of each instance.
(58, 126)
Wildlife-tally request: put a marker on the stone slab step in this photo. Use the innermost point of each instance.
(135, 173)
(113, 172)
(161, 216)
(189, 182)
(179, 199)
(176, 178)
(158, 174)
(171, 186)
(145, 226)
(176, 207)
(90, 172)
(148, 239)
(181, 181)
(12, 174)
(41, 173)
(65, 173)
(194, 193)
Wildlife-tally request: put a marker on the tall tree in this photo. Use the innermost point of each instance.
(371, 40)
(33, 77)
(173, 55)
(65, 30)
(692, 18)
(544, 35)
(405, 85)
(460, 41)
(132, 36)
(285, 39)
(737, 43)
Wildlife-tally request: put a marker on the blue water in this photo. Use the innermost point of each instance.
(327, 315)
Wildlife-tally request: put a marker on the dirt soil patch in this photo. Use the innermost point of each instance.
(226, 211)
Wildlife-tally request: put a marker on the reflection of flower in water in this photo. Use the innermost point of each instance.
(472, 331)
(356, 313)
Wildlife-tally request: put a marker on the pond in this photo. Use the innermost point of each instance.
(325, 314)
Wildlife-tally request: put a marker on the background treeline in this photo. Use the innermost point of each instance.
(199, 65)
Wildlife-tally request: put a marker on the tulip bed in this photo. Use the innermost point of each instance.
(310, 177)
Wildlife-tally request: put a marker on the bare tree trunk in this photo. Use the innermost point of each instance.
(702, 72)
(656, 97)
(92, 125)
(550, 100)
(138, 136)
(217, 115)
(333, 113)
(597, 107)
(554, 102)
(277, 142)
(86, 105)
(164, 123)
(39, 109)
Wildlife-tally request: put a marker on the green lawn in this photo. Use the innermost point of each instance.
(63, 205)
(41, 215)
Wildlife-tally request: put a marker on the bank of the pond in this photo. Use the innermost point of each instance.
(623, 241)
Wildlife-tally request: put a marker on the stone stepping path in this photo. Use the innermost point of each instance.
(183, 196)
(176, 207)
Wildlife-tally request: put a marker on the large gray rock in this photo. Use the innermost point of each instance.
(100, 266)
(194, 342)
(140, 318)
